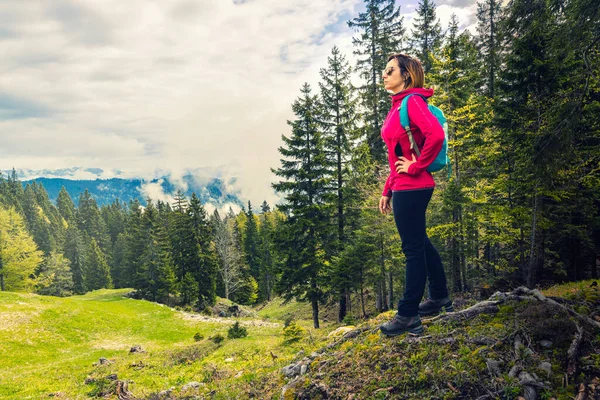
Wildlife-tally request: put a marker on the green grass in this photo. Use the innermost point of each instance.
(49, 345)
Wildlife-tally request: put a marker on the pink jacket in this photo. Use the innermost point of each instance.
(428, 134)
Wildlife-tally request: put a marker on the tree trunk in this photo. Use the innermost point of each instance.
(342, 311)
(2, 282)
(382, 287)
(531, 273)
(315, 303)
(522, 252)
(348, 301)
(362, 295)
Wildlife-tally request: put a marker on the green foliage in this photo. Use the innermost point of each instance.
(293, 333)
(237, 331)
(247, 291)
(55, 278)
(349, 320)
(98, 273)
(218, 338)
(19, 255)
(198, 336)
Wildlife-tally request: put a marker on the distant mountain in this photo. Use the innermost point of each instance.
(105, 191)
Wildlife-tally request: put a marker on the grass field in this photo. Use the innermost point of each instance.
(48, 346)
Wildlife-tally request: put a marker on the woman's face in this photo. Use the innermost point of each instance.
(392, 78)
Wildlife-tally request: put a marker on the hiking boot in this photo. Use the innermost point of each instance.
(432, 307)
(399, 325)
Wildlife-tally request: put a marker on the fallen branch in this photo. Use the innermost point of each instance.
(573, 349)
(519, 294)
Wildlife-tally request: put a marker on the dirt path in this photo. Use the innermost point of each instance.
(221, 320)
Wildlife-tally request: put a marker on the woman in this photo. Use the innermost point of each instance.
(409, 189)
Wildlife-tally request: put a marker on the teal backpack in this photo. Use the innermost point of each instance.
(442, 160)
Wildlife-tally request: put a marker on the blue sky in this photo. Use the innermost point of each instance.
(147, 86)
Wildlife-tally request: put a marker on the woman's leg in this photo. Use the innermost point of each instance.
(438, 288)
(409, 214)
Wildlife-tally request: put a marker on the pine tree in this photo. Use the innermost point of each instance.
(65, 205)
(155, 278)
(381, 34)
(203, 260)
(427, 34)
(339, 121)
(252, 244)
(56, 278)
(98, 273)
(488, 17)
(264, 207)
(75, 251)
(91, 222)
(305, 185)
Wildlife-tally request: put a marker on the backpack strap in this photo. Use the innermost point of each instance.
(405, 122)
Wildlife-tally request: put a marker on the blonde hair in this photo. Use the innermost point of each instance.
(411, 69)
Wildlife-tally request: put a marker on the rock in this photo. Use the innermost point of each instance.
(165, 394)
(112, 377)
(352, 334)
(303, 369)
(493, 366)
(514, 371)
(89, 380)
(528, 390)
(191, 385)
(291, 370)
(483, 341)
(290, 387)
(239, 374)
(545, 343)
(230, 359)
(546, 366)
(136, 349)
(104, 361)
(301, 353)
(314, 355)
(340, 331)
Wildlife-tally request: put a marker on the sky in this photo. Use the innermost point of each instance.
(141, 88)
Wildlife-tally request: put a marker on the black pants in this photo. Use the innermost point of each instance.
(422, 259)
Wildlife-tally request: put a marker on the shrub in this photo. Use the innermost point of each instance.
(349, 320)
(218, 338)
(198, 337)
(293, 333)
(237, 331)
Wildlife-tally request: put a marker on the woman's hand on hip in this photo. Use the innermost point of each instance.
(404, 163)
(384, 205)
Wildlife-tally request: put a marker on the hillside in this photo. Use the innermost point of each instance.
(515, 344)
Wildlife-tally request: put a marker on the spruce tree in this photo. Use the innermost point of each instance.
(305, 185)
(203, 260)
(75, 251)
(65, 205)
(252, 245)
(381, 34)
(427, 37)
(98, 273)
(339, 120)
(488, 18)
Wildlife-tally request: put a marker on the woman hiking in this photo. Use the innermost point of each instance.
(408, 191)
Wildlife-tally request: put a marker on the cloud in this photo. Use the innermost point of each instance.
(145, 87)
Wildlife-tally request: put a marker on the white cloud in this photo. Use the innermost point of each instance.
(162, 87)
(175, 85)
